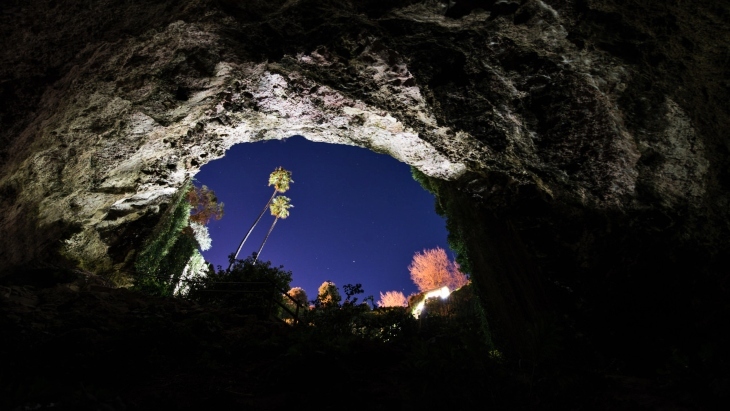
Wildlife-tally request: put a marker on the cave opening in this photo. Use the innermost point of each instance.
(358, 216)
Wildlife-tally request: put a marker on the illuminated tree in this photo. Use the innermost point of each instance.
(201, 235)
(328, 295)
(300, 299)
(299, 295)
(393, 299)
(279, 209)
(204, 205)
(280, 179)
(432, 269)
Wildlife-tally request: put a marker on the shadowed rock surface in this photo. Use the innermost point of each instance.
(578, 147)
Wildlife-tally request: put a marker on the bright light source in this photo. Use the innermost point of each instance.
(442, 292)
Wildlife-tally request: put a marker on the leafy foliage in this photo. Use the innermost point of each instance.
(461, 310)
(248, 285)
(172, 266)
(201, 235)
(448, 209)
(350, 321)
(299, 295)
(194, 270)
(204, 205)
(432, 269)
(392, 299)
(280, 179)
(299, 305)
(280, 207)
(168, 253)
(350, 291)
(327, 295)
(150, 264)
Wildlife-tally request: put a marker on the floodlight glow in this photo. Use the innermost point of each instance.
(442, 292)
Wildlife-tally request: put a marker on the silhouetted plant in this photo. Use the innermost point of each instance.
(247, 285)
(461, 313)
(350, 291)
(349, 320)
(204, 205)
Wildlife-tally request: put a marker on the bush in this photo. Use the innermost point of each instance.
(167, 254)
(195, 269)
(460, 314)
(393, 299)
(201, 235)
(432, 269)
(331, 320)
(300, 303)
(204, 204)
(249, 285)
(328, 295)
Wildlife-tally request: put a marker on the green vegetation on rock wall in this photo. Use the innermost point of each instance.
(167, 250)
(446, 208)
(504, 277)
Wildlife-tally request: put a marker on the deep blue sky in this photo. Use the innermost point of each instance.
(358, 216)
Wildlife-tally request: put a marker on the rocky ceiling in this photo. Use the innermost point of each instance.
(582, 143)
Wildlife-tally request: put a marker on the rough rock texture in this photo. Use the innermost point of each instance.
(582, 140)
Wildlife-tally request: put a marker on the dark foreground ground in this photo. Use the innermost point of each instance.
(68, 341)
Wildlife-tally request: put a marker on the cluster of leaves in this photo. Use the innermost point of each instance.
(449, 210)
(328, 295)
(393, 299)
(249, 286)
(299, 295)
(201, 235)
(333, 318)
(196, 268)
(462, 311)
(456, 218)
(432, 269)
(204, 205)
(296, 302)
(167, 253)
(166, 249)
(280, 179)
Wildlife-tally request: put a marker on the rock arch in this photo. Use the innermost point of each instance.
(577, 157)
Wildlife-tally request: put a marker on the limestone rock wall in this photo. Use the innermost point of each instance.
(588, 135)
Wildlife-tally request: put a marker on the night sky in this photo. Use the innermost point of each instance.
(358, 216)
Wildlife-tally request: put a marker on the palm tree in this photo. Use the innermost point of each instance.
(280, 179)
(279, 209)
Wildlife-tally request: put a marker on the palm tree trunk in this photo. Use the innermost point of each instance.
(251, 229)
(265, 238)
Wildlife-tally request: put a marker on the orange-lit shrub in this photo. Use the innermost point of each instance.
(204, 205)
(432, 269)
(393, 299)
